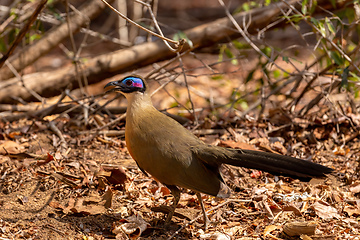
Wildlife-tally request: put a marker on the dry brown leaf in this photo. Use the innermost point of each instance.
(4, 159)
(159, 191)
(236, 145)
(132, 226)
(268, 229)
(292, 208)
(300, 228)
(355, 188)
(118, 175)
(11, 147)
(277, 146)
(305, 237)
(325, 211)
(352, 211)
(214, 236)
(108, 195)
(56, 205)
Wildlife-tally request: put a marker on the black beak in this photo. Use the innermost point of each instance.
(112, 84)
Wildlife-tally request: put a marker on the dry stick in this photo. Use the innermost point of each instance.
(332, 43)
(168, 63)
(23, 31)
(121, 22)
(73, 45)
(188, 91)
(20, 79)
(308, 85)
(247, 39)
(51, 39)
(178, 44)
(155, 6)
(275, 91)
(102, 66)
(210, 210)
(318, 98)
(59, 134)
(18, 108)
(44, 17)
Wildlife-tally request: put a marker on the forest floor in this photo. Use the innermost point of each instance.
(86, 186)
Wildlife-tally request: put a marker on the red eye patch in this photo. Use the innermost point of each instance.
(136, 84)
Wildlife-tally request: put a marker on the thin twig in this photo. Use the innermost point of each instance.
(247, 39)
(178, 44)
(23, 31)
(332, 43)
(210, 210)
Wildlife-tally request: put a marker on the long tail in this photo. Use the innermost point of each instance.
(277, 164)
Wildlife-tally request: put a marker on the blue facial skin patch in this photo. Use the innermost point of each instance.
(131, 84)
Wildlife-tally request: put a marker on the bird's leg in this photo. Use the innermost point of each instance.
(176, 193)
(206, 219)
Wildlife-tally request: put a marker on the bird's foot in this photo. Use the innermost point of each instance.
(207, 222)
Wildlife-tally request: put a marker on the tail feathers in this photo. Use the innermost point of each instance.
(277, 164)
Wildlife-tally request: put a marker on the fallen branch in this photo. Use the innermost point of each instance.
(22, 32)
(52, 83)
(52, 38)
(106, 65)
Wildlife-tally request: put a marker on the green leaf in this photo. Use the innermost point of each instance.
(228, 53)
(344, 78)
(267, 51)
(240, 45)
(173, 105)
(314, 21)
(34, 37)
(333, 3)
(277, 74)
(330, 26)
(181, 35)
(354, 77)
(267, 2)
(221, 52)
(244, 105)
(217, 77)
(338, 59)
(3, 47)
(246, 7)
(304, 6)
(313, 6)
(250, 76)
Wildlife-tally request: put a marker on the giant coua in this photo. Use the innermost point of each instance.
(177, 158)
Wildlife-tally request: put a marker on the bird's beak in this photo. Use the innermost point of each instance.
(115, 86)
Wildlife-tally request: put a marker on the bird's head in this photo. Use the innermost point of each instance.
(127, 85)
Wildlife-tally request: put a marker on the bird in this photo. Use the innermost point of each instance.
(174, 156)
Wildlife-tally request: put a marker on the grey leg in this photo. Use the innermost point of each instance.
(206, 219)
(176, 193)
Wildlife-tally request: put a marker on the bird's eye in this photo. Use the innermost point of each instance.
(128, 83)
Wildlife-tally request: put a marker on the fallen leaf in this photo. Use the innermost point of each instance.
(236, 145)
(300, 228)
(215, 236)
(325, 211)
(118, 175)
(352, 211)
(268, 229)
(132, 226)
(10, 147)
(108, 195)
(355, 188)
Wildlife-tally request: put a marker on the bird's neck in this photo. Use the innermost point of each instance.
(139, 103)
